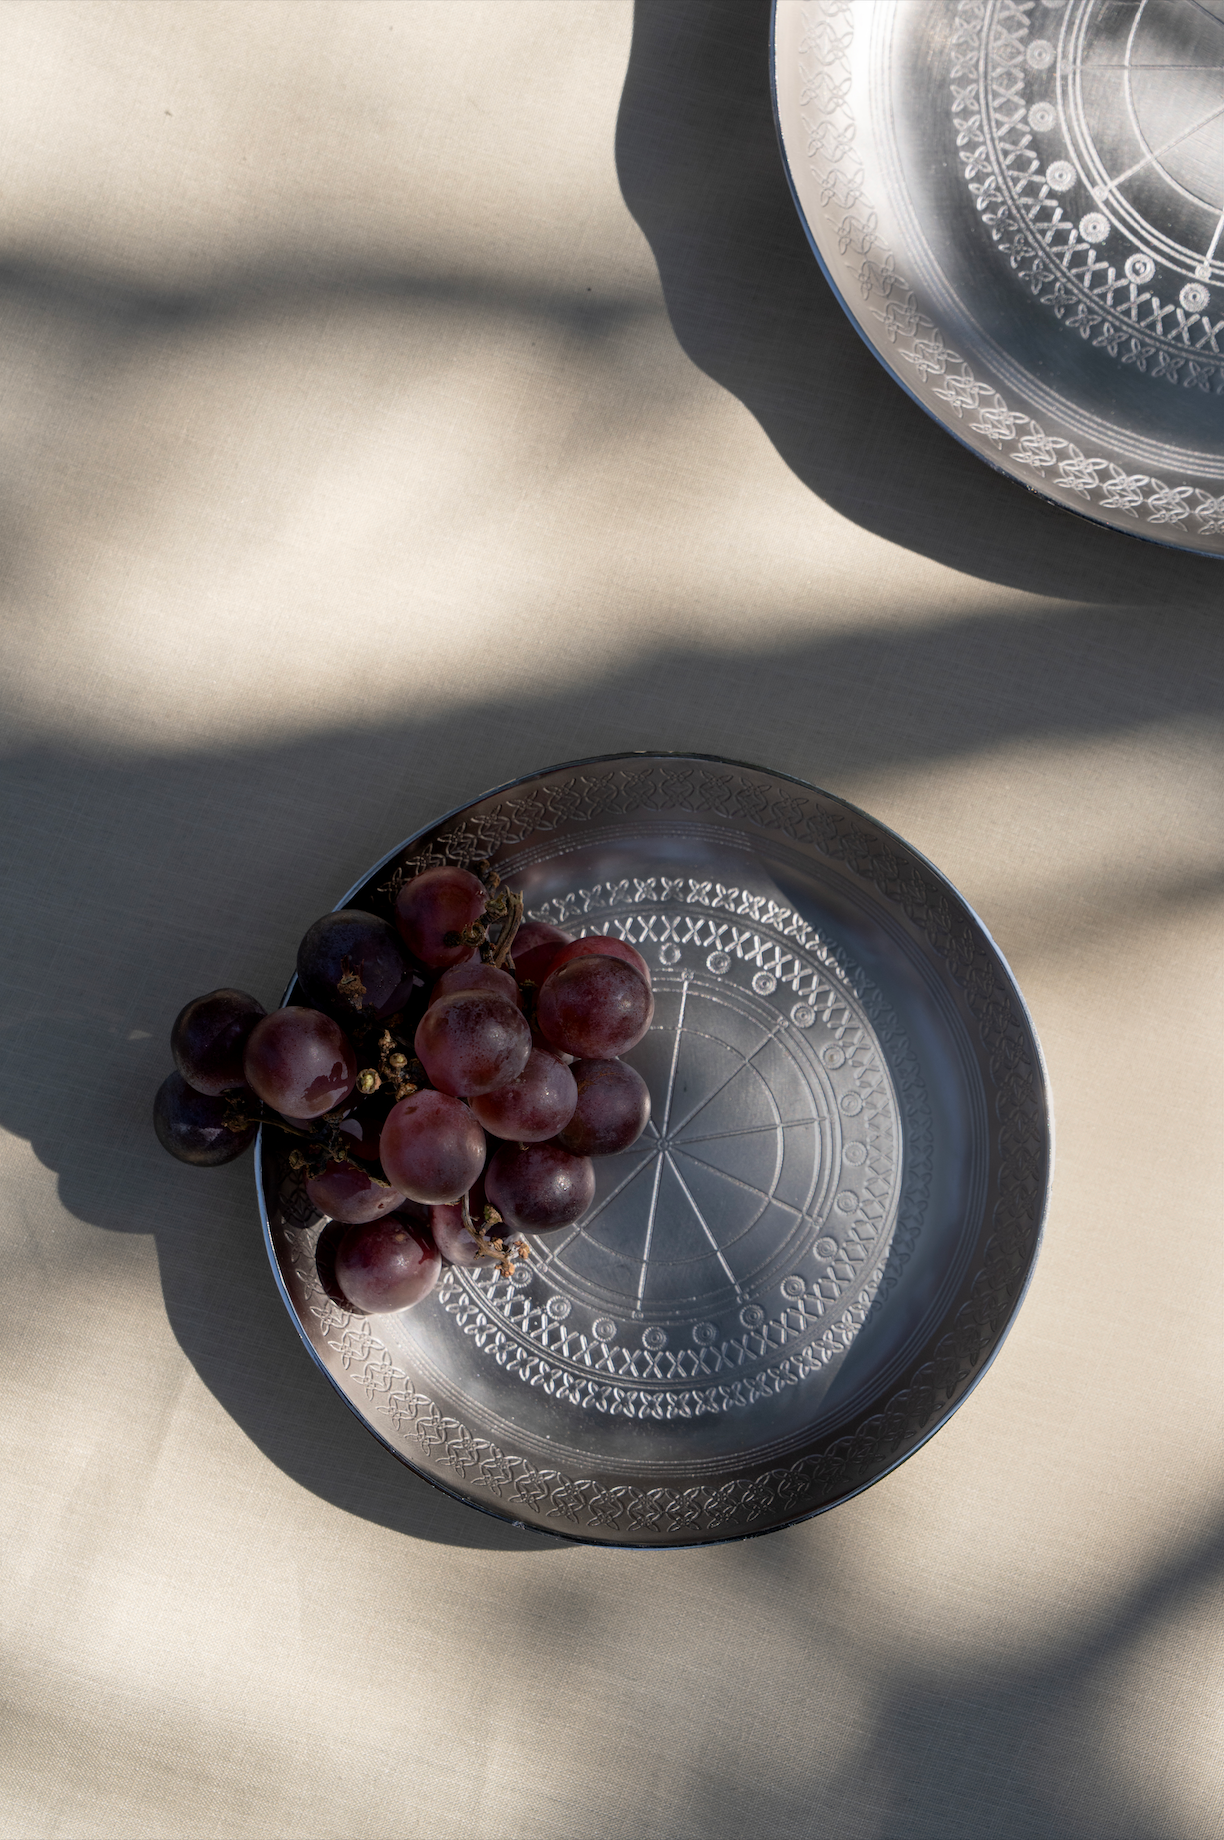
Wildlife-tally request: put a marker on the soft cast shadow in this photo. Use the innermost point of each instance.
(134, 882)
(700, 170)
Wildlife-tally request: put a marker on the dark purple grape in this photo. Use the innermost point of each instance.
(299, 1062)
(431, 1147)
(612, 1108)
(351, 964)
(349, 1194)
(535, 1106)
(599, 945)
(435, 904)
(191, 1124)
(209, 1039)
(387, 1265)
(475, 976)
(540, 1187)
(594, 1008)
(472, 1042)
(363, 1128)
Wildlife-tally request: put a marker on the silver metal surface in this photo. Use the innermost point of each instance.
(801, 1269)
(1021, 205)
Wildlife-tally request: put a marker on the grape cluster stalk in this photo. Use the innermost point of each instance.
(445, 1079)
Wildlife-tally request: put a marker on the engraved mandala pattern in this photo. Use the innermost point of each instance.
(1065, 223)
(838, 1241)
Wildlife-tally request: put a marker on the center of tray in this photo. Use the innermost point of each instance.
(738, 1245)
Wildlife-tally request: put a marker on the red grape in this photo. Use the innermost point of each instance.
(594, 1007)
(191, 1125)
(351, 1195)
(539, 1187)
(298, 1061)
(434, 904)
(612, 1109)
(209, 1039)
(533, 1107)
(599, 945)
(475, 976)
(431, 1147)
(534, 933)
(472, 1042)
(454, 1242)
(351, 964)
(536, 944)
(387, 1265)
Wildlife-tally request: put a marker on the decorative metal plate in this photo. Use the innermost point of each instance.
(1020, 203)
(808, 1260)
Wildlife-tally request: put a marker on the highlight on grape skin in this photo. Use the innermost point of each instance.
(299, 1062)
(387, 1265)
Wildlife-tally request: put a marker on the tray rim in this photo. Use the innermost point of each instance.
(1089, 514)
(941, 1416)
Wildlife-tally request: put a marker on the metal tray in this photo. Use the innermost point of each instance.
(1020, 204)
(799, 1272)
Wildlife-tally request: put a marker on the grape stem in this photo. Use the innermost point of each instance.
(350, 986)
(505, 1251)
(326, 1141)
(510, 926)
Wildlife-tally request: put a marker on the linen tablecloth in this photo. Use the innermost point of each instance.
(399, 398)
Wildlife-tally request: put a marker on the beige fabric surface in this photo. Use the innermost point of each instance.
(398, 398)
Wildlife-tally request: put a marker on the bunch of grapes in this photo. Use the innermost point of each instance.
(444, 1096)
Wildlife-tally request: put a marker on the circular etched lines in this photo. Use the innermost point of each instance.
(737, 1154)
(703, 1235)
(1134, 98)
